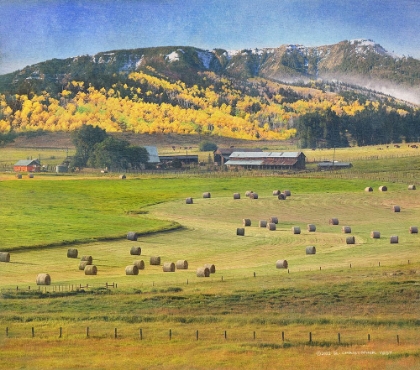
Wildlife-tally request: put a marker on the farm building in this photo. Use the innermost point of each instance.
(185, 159)
(221, 155)
(27, 165)
(153, 154)
(267, 160)
(331, 165)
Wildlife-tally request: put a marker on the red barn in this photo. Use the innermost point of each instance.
(27, 165)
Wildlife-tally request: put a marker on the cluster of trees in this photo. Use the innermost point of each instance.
(95, 148)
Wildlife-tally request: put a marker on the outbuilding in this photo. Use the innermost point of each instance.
(267, 160)
(27, 165)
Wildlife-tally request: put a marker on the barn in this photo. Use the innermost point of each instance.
(221, 155)
(27, 165)
(267, 160)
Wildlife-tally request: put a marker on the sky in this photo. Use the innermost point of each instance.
(33, 31)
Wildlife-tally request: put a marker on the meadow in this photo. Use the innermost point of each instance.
(348, 306)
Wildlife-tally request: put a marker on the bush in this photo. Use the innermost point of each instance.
(207, 146)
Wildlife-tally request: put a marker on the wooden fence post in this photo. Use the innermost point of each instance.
(141, 334)
(33, 332)
(87, 332)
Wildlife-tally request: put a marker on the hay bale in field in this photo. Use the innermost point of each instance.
(88, 259)
(394, 239)
(281, 196)
(263, 223)
(310, 250)
(271, 226)
(411, 187)
(154, 260)
(181, 265)
(282, 264)
(189, 200)
(274, 220)
(168, 267)
(132, 235)
(414, 230)
(248, 193)
(43, 279)
(350, 240)
(287, 193)
(211, 267)
(135, 251)
(368, 189)
(83, 264)
(246, 222)
(123, 177)
(31, 175)
(276, 192)
(203, 272)
(236, 196)
(253, 196)
(18, 175)
(375, 235)
(206, 195)
(91, 270)
(346, 229)
(72, 253)
(240, 231)
(333, 221)
(4, 257)
(396, 208)
(296, 230)
(383, 188)
(139, 264)
(311, 228)
(131, 270)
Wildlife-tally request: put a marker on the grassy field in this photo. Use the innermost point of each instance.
(348, 306)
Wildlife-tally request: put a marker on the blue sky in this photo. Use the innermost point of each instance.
(32, 31)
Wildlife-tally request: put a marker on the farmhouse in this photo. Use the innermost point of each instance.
(221, 155)
(267, 160)
(27, 165)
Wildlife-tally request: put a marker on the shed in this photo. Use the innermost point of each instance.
(267, 160)
(27, 165)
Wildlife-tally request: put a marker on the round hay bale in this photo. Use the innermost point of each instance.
(139, 264)
(383, 188)
(88, 259)
(287, 193)
(253, 196)
(203, 272)
(236, 196)
(246, 222)
(248, 193)
(394, 239)
(311, 228)
(135, 251)
(333, 221)
(132, 235)
(189, 200)
(211, 267)
(91, 270)
(154, 260)
(132, 270)
(271, 226)
(414, 230)
(350, 240)
(411, 187)
(274, 220)
(282, 264)
(276, 192)
(375, 235)
(396, 208)
(263, 223)
(181, 265)
(168, 267)
(310, 250)
(43, 279)
(4, 257)
(346, 229)
(206, 195)
(240, 231)
(18, 175)
(368, 189)
(281, 196)
(83, 264)
(296, 230)
(123, 177)
(31, 175)
(72, 253)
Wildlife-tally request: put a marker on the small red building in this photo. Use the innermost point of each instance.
(27, 165)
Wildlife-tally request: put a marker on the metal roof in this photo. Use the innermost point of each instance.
(153, 154)
(27, 162)
(250, 155)
(244, 162)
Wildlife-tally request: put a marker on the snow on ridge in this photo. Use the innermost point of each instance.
(363, 44)
(173, 57)
(205, 57)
